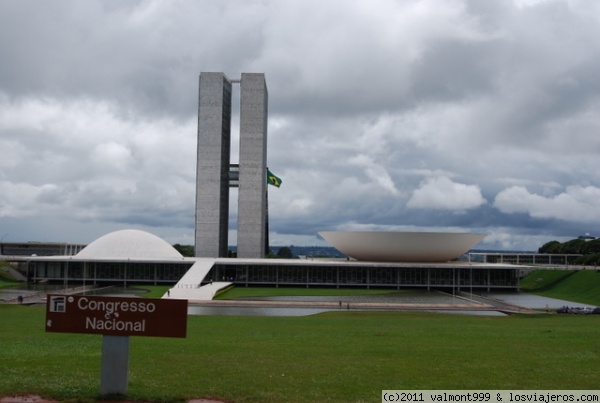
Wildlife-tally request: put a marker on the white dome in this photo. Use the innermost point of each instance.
(402, 246)
(129, 244)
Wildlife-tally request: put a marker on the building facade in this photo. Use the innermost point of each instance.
(40, 248)
(214, 174)
(352, 274)
(213, 158)
(252, 194)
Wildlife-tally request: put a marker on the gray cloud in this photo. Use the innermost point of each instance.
(443, 194)
(392, 115)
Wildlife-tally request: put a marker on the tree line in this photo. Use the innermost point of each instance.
(590, 249)
(283, 252)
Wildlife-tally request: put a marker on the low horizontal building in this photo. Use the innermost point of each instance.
(136, 257)
(524, 258)
(39, 248)
(347, 274)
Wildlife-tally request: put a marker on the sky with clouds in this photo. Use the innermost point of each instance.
(408, 115)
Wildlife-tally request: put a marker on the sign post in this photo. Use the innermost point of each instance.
(115, 365)
(116, 319)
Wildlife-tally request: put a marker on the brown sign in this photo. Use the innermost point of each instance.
(116, 316)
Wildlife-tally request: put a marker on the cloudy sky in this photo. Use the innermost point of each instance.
(412, 115)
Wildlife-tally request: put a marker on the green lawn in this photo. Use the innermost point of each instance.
(579, 286)
(153, 291)
(543, 279)
(333, 357)
(583, 286)
(5, 279)
(7, 283)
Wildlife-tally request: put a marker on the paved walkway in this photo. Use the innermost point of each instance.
(496, 304)
(464, 302)
(341, 305)
(40, 297)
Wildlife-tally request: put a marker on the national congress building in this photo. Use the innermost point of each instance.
(133, 257)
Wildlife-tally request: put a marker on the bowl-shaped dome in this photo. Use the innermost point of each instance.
(129, 244)
(402, 246)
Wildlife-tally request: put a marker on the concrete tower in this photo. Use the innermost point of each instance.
(252, 196)
(214, 173)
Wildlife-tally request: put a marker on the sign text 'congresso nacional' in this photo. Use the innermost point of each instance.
(116, 316)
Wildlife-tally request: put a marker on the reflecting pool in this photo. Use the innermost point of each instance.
(520, 299)
(251, 311)
(532, 301)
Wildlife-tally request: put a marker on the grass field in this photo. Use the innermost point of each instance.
(154, 291)
(7, 283)
(578, 286)
(333, 357)
(5, 279)
(544, 279)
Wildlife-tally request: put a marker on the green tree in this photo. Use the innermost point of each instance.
(185, 250)
(593, 259)
(592, 247)
(550, 247)
(573, 246)
(285, 253)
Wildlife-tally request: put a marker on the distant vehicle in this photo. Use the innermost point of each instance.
(578, 310)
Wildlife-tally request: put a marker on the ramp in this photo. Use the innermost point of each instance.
(189, 287)
(203, 293)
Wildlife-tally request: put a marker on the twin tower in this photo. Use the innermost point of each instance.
(216, 175)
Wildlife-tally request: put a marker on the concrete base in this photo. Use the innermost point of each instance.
(115, 365)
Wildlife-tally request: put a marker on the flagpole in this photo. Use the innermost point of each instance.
(267, 249)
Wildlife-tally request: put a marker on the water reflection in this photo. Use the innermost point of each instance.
(36, 292)
(248, 311)
(520, 299)
(245, 311)
(402, 297)
(25, 290)
(345, 302)
(115, 291)
(532, 301)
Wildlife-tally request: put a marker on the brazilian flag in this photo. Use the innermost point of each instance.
(272, 179)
